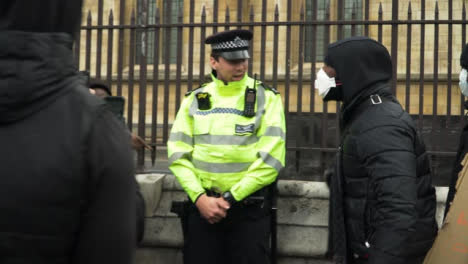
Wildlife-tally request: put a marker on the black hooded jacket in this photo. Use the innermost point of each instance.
(67, 193)
(389, 202)
(462, 144)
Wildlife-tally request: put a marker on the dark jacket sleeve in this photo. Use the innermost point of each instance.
(107, 233)
(387, 153)
(140, 214)
(461, 152)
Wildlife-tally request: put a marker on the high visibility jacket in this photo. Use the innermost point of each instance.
(219, 148)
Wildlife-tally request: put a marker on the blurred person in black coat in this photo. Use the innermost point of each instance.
(67, 193)
(101, 90)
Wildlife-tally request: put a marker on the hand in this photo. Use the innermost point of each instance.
(138, 143)
(211, 208)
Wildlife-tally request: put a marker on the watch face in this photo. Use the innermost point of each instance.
(228, 197)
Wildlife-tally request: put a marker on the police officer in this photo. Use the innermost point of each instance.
(226, 147)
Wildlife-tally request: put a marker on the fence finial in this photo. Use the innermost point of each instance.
(157, 15)
(437, 10)
(89, 19)
(251, 13)
(276, 10)
(203, 12)
(227, 15)
(132, 18)
(302, 11)
(180, 15)
(353, 10)
(111, 15)
(409, 9)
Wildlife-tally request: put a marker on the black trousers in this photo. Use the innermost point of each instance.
(359, 261)
(243, 237)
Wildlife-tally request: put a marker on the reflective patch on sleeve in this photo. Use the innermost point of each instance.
(274, 131)
(180, 136)
(178, 155)
(270, 160)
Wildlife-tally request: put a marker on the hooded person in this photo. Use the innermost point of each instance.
(463, 143)
(382, 205)
(67, 192)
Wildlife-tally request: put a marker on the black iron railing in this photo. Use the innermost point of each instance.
(280, 41)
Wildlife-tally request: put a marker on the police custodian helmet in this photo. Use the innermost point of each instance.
(231, 44)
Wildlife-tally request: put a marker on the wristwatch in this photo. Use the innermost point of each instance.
(229, 198)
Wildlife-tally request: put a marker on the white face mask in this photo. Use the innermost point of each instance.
(323, 83)
(463, 82)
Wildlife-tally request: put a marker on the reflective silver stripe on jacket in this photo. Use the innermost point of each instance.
(260, 106)
(270, 160)
(181, 136)
(178, 155)
(225, 139)
(274, 131)
(221, 167)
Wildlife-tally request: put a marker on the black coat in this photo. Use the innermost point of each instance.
(388, 200)
(457, 167)
(67, 192)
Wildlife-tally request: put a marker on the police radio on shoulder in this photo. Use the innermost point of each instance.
(249, 99)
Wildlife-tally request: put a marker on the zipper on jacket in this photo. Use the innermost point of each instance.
(368, 218)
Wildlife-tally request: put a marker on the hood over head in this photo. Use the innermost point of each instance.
(36, 58)
(62, 16)
(464, 57)
(360, 63)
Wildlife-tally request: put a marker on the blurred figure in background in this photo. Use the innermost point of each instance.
(67, 192)
(103, 91)
(463, 145)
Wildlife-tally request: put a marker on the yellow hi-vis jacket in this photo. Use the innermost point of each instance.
(222, 150)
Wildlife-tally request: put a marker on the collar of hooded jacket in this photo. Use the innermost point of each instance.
(36, 59)
(364, 67)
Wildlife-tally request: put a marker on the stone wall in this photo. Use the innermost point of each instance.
(302, 221)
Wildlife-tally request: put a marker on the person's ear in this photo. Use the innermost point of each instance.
(213, 63)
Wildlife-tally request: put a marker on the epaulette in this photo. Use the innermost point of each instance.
(191, 91)
(269, 88)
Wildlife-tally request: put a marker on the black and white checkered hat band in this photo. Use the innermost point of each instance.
(237, 43)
